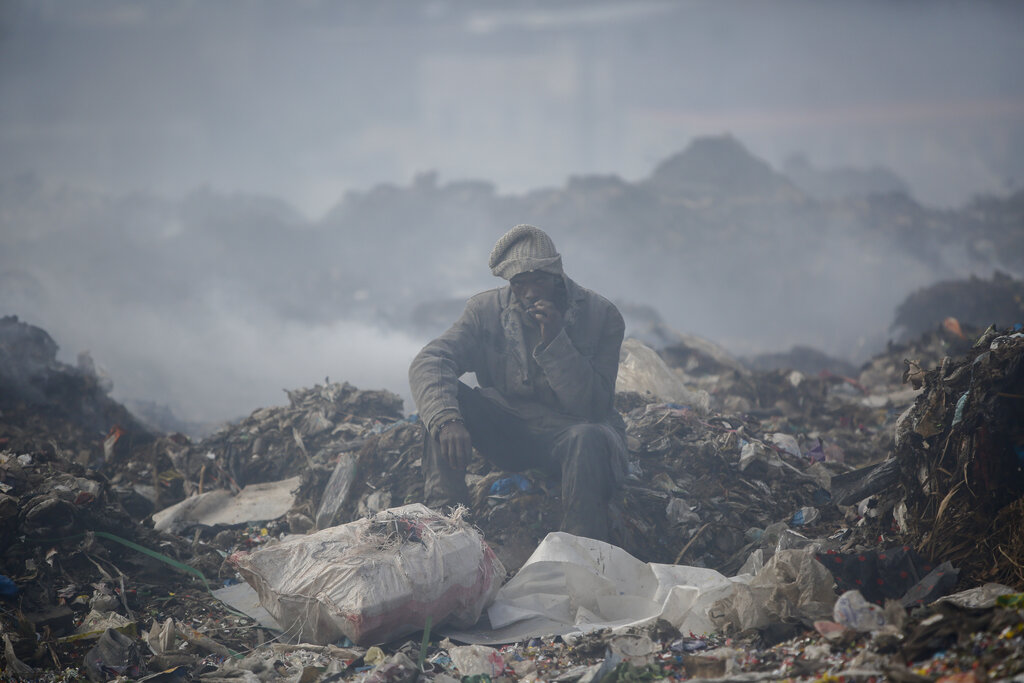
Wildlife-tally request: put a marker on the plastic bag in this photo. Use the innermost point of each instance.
(805, 515)
(792, 585)
(786, 443)
(377, 578)
(642, 370)
(477, 660)
(854, 612)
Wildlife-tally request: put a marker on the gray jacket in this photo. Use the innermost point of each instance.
(580, 364)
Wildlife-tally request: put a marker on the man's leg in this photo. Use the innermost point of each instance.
(585, 452)
(498, 436)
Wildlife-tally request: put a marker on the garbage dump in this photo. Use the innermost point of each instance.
(798, 526)
(961, 454)
(279, 442)
(57, 407)
(974, 301)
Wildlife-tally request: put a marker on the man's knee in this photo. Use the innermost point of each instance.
(589, 440)
(588, 454)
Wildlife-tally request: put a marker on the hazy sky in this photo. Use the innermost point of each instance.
(305, 100)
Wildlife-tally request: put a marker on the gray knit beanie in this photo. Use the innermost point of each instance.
(522, 249)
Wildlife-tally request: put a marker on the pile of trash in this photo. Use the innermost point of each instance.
(322, 430)
(709, 490)
(279, 442)
(774, 524)
(46, 405)
(960, 450)
(80, 576)
(973, 301)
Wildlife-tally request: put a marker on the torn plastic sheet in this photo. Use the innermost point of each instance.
(571, 584)
(254, 503)
(338, 488)
(980, 597)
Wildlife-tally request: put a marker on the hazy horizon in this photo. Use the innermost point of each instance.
(306, 101)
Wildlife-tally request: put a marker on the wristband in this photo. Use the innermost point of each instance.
(448, 422)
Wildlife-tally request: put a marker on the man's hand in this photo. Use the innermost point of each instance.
(456, 446)
(551, 320)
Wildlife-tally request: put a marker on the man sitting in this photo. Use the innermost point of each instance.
(546, 353)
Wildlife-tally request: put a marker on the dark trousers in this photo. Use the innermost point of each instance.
(582, 454)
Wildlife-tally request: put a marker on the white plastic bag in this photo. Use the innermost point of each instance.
(642, 370)
(477, 660)
(792, 585)
(785, 442)
(854, 612)
(377, 578)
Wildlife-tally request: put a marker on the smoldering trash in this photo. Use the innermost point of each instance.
(774, 524)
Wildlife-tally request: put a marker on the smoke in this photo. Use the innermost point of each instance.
(215, 364)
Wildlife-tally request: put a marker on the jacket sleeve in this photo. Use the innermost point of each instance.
(436, 369)
(585, 382)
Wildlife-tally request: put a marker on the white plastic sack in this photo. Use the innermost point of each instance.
(377, 578)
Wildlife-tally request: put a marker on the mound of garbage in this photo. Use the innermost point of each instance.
(974, 302)
(800, 525)
(960, 450)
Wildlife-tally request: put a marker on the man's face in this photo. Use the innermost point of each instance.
(533, 286)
